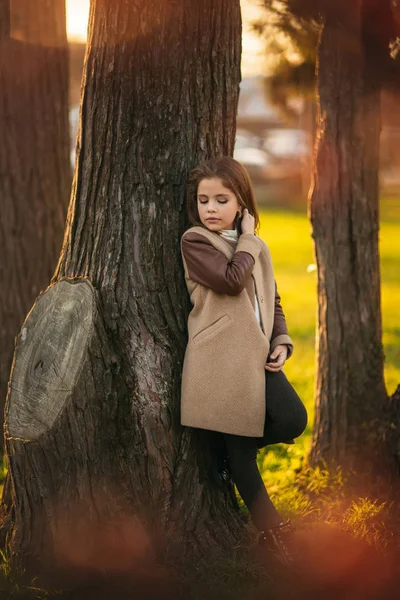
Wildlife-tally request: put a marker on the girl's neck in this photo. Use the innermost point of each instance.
(229, 234)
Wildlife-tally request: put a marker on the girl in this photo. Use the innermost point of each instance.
(232, 379)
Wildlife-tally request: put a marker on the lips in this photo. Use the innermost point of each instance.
(212, 220)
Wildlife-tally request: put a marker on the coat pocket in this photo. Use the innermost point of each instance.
(212, 329)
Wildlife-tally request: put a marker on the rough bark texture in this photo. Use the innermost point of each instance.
(393, 429)
(35, 173)
(160, 91)
(350, 390)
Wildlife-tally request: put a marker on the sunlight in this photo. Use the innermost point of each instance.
(253, 54)
(254, 60)
(77, 19)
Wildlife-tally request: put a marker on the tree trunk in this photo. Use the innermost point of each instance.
(93, 427)
(350, 390)
(35, 173)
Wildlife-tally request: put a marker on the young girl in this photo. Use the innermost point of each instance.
(232, 379)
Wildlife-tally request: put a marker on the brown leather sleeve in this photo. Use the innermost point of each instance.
(210, 267)
(280, 327)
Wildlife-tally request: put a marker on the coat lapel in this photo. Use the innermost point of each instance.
(258, 281)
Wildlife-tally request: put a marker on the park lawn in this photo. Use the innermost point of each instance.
(288, 235)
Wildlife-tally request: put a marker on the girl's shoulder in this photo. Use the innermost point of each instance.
(196, 238)
(201, 235)
(198, 230)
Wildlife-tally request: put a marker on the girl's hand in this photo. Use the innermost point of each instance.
(247, 222)
(277, 358)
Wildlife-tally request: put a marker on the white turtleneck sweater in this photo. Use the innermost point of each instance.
(232, 235)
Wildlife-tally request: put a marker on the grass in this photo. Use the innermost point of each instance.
(289, 239)
(14, 584)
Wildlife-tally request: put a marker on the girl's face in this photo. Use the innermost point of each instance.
(215, 201)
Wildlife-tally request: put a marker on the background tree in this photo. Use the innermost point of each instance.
(93, 435)
(353, 63)
(290, 31)
(35, 173)
(344, 211)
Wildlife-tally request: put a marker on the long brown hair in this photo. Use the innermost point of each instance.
(234, 176)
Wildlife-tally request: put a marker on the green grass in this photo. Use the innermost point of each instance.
(288, 237)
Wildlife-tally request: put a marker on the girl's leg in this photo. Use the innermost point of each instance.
(286, 415)
(286, 418)
(242, 453)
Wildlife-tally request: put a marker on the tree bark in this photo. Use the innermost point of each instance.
(35, 173)
(350, 390)
(93, 428)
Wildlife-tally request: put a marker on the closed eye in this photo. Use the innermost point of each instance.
(219, 201)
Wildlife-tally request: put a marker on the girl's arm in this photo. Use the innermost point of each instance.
(210, 267)
(279, 332)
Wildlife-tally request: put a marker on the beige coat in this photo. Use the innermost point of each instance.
(223, 378)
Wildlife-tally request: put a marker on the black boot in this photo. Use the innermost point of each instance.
(278, 540)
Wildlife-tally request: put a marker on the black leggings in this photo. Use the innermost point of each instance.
(286, 418)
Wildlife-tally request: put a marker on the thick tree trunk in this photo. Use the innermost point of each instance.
(93, 429)
(35, 173)
(350, 390)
